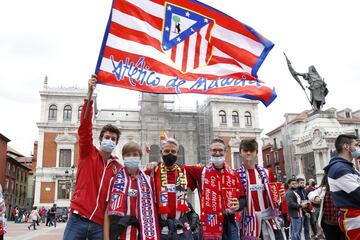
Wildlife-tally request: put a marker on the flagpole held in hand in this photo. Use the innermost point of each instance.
(91, 87)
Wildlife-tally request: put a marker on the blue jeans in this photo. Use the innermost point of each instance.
(306, 223)
(296, 225)
(79, 228)
(231, 230)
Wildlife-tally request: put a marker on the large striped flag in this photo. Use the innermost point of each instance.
(182, 46)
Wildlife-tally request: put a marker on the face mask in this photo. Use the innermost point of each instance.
(107, 145)
(217, 160)
(356, 153)
(250, 161)
(132, 162)
(169, 159)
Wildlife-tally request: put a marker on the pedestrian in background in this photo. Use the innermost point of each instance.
(34, 217)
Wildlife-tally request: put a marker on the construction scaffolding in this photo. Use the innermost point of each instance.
(203, 133)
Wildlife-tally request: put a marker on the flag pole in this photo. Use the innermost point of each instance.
(89, 96)
(88, 102)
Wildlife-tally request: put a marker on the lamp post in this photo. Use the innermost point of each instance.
(72, 178)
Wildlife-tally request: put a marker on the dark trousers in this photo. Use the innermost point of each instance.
(2, 237)
(332, 232)
(286, 224)
(80, 228)
(183, 236)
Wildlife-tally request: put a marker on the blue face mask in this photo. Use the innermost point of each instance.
(356, 153)
(132, 162)
(107, 145)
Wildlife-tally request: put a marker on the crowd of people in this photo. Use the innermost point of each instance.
(115, 201)
(123, 201)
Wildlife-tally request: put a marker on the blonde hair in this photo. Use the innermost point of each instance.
(131, 147)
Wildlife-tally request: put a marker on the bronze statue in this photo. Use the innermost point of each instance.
(317, 85)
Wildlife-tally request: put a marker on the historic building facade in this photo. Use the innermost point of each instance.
(232, 119)
(308, 139)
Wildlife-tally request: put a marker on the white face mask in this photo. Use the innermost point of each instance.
(217, 160)
(107, 145)
(132, 162)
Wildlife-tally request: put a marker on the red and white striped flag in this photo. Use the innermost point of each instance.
(182, 46)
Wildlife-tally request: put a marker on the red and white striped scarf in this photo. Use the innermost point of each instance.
(251, 226)
(217, 190)
(147, 215)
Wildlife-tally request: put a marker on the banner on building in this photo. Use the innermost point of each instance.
(182, 46)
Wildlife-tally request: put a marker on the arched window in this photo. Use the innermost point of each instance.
(79, 112)
(52, 112)
(235, 118)
(222, 116)
(154, 155)
(248, 120)
(67, 113)
(181, 156)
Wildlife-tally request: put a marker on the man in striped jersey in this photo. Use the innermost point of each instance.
(260, 216)
(344, 182)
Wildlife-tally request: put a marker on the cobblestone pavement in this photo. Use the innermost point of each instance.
(19, 231)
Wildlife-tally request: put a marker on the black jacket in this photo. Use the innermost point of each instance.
(292, 203)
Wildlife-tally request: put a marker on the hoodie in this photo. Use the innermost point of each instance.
(344, 182)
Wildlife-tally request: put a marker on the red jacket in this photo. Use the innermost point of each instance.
(93, 174)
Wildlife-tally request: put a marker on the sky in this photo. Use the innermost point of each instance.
(61, 39)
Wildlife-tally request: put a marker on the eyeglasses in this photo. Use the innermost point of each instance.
(167, 151)
(220, 150)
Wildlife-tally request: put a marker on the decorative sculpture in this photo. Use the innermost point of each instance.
(317, 85)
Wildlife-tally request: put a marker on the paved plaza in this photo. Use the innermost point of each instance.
(19, 231)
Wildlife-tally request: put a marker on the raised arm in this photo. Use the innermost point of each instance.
(85, 129)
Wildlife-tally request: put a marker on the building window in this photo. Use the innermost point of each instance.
(8, 169)
(347, 115)
(6, 185)
(275, 144)
(267, 160)
(276, 156)
(65, 158)
(52, 112)
(63, 189)
(248, 120)
(67, 113)
(235, 118)
(222, 116)
(13, 171)
(154, 155)
(79, 112)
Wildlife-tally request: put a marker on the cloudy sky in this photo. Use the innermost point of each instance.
(62, 39)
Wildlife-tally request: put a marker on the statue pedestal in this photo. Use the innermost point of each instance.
(315, 141)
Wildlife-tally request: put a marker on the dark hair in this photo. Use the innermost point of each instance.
(290, 181)
(286, 185)
(325, 183)
(112, 129)
(34, 207)
(343, 139)
(218, 140)
(300, 179)
(248, 144)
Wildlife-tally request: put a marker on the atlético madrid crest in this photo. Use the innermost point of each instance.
(186, 37)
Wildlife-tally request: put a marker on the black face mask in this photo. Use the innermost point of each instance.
(169, 159)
